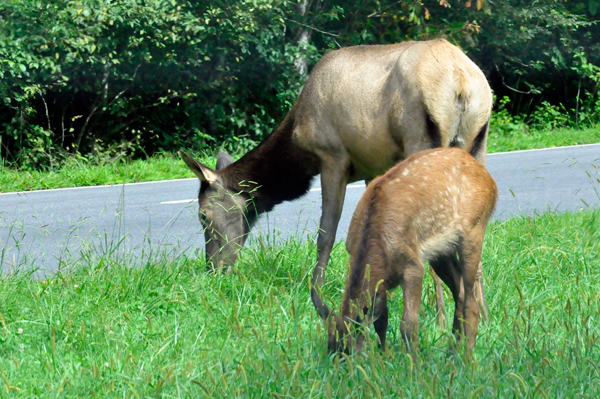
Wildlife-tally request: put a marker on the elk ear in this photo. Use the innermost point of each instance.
(203, 172)
(223, 160)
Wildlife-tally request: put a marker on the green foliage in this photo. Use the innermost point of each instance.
(156, 74)
(128, 78)
(165, 328)
(548, 126)
(503, 122)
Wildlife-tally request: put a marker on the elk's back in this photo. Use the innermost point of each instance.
(426, 202)
(373, 102)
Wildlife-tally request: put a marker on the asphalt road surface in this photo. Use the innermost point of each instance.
(52, 229)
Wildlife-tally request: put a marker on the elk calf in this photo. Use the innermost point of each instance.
(433, 207)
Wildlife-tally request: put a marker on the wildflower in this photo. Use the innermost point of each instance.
(20, 331)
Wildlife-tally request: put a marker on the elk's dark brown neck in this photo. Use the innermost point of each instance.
(275, 171)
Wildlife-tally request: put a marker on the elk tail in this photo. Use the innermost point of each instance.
(461, 104)
(472, 120)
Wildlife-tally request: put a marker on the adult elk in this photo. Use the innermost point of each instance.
(432, 207)
(361, 111)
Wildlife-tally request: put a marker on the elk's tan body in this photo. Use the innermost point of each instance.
(370, 104)
(433, 207)
(361, 111)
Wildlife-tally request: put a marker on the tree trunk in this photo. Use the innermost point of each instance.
(302, 39)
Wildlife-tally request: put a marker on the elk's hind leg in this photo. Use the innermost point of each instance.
(470, 259)
(447, 267)
(412, 287)
(460, 273)
(480, 293)
(380, 315)
(440, 304)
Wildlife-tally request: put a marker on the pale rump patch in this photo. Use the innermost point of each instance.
(443, 243)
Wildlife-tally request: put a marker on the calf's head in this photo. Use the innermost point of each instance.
(342, 335)
(222, 212)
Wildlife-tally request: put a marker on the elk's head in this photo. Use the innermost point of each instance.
(342, 336)
(222, 212)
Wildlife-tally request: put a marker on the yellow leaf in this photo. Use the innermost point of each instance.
(426, 13)
(80, 10)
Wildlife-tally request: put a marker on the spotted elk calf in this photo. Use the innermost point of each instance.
(433, 207)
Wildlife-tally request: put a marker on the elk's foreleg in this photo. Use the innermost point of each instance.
(334, 178)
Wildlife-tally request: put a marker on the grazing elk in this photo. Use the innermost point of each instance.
(361, 111)
(432, 207)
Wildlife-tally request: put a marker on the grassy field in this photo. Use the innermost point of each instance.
(78, 173)
(168, 329)
(542, 139)
(167, 166)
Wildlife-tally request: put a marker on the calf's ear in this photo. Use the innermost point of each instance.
(203, 172)
(223, 160)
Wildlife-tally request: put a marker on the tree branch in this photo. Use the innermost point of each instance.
(507, 86)
(375, 14)
(312, 28)
(97, 103)
(127, 88)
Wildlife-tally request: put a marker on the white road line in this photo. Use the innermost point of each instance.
(193, 178)
(179, 201)
(542, 149)
(193, 200)
(103, 186)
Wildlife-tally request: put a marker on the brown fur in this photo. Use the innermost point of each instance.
(361, 111)
(433, 207)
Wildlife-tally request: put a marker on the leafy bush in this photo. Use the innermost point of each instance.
(503, 122)
(142, 76)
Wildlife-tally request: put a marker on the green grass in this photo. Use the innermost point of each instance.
(532, 139)
(77, 173)
(168, 329)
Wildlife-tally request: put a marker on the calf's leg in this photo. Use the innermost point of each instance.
(380, 315)
(412, 287)
(470, 255)
(440, 304)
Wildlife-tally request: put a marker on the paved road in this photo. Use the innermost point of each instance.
(56, 228)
